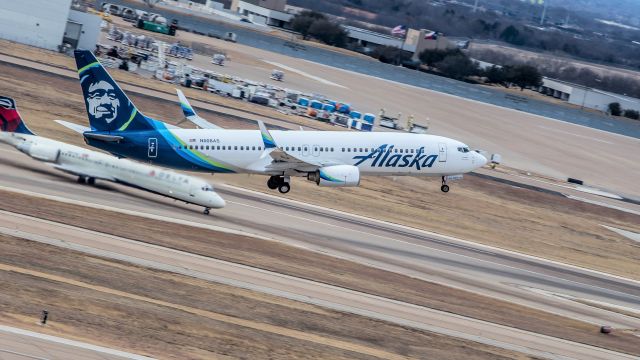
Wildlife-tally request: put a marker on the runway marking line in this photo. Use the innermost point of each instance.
(63, 341)
(296, 334)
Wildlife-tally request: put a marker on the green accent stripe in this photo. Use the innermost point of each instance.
(198, 154)
(126, 125)
(95, 63)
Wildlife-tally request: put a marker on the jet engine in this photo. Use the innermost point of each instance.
(38, 151)
(336, 176)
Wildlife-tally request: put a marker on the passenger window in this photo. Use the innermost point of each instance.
(190, 147)
(360, 149)
(235, 148)
(321, 149)
(207, 147)
(259, 147)
(253, 148)
(299, 148)
(218, 147)
(331, 149)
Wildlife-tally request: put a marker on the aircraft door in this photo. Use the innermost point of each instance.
(442, 152)
(153, 148)
(305, 150)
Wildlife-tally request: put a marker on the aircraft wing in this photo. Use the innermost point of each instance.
(191, 115)
(282, 160)
(82, 172)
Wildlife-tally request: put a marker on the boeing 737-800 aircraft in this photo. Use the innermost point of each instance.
(329, 158)
(90, 165)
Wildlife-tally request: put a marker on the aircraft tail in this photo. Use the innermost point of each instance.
(108, 107)
(10, 119)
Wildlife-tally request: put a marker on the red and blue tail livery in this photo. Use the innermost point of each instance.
(10, 120)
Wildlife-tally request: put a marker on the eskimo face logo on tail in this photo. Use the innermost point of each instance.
(385, 157)
(102, 101)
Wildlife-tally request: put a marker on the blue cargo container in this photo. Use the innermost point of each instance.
(303, 101)
(366, 127)
(369, 118)
(328, 107)
(315, 104)
(356, 115)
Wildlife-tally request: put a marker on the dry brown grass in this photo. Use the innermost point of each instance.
(298, 262)
(175, 317)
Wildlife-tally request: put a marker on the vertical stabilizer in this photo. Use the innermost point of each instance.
(108, 107)
(10, 119)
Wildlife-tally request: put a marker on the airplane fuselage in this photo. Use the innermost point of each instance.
(92, 164)
(242, 151)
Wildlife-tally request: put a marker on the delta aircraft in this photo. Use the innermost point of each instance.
(90, 165)
(328, 158)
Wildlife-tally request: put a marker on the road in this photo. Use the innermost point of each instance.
(337, 298)
(514, 277)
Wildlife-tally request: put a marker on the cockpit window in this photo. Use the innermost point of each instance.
(207, 188)
(464, 149)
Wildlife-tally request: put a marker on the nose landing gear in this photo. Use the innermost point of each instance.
(282, 183)
(206, 211)
(444, 188)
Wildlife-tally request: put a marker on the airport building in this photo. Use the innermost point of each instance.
(48, 24)
(586, 97)
(267, 12)
(416, 41)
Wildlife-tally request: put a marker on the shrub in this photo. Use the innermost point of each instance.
(632, 114)
(615, 109)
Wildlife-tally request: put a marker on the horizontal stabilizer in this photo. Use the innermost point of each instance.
(103, 137)
(75, 127)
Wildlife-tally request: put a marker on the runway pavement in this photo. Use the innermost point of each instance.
(408, 251)
(337, 298)
(19, 344)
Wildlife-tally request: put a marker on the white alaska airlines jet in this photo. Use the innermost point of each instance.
(90, 165)
(328, 158)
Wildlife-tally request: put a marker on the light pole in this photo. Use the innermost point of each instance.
(544, 11)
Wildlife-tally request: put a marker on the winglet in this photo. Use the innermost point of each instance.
(191, 115)
(187, 110)
(267, 139)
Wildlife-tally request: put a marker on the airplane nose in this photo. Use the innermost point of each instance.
(216, 202)
(482, 160)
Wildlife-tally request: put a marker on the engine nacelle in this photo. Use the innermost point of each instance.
(42, 152)
(336, 176)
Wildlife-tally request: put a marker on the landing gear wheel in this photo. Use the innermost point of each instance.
(81, 180)
(206, 211)
(444, 188)
(91, 181)
(284, 188)
(273, 182)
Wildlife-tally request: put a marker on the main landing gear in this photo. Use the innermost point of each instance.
(86, 180)
(444, 187)
(282, 183)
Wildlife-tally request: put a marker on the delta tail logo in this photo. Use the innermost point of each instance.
(383, 157)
